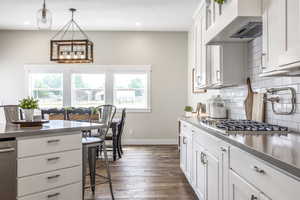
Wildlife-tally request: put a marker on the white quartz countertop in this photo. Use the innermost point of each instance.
(54, 126)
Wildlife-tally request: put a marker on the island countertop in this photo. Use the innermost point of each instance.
(52, 127)
(281, 151)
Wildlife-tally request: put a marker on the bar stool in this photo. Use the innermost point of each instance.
(91, 146)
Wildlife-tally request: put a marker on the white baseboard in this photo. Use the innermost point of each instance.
(150, 141)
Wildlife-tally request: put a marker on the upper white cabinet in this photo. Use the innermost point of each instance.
(228, 65)
(290, 25)
(219, 65)
(228, 19)
(281, 42)
(273, 33)
(200, 52)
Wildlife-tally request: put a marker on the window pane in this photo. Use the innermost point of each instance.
(130, 90)
(88, 90)
(47, 88)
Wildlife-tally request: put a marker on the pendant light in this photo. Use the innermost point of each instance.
(71, 44)
(44, 18)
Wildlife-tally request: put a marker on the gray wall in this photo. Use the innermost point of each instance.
(165, 51)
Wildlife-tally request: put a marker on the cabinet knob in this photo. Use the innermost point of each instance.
(253, 197)
(223, 149)
(258, 170)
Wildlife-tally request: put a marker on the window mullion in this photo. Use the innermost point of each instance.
(109, 87)
(67, 88)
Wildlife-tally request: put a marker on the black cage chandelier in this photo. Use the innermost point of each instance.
(64, 48)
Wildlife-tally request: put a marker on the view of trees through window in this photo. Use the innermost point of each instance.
(88, 90)
(47, 88)
(130, 90)
(125, 90)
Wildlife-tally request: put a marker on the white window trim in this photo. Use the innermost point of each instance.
(108, 70)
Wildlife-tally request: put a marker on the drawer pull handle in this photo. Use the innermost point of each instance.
(7, 150)
(53, 195)
(52, 159)
(258, 170)
(223, 149)
(253, 197)
(53, 141)
(53, 177)
(193, 131)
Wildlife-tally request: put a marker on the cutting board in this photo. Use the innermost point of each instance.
(258, 111)
(248, 103)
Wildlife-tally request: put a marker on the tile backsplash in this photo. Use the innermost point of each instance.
(235, 96)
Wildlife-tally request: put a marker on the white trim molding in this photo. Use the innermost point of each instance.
(109, 70)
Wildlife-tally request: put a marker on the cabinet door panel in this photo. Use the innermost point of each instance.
(274, 35)
(199, 172)
(240, 189)
(212, 177)
(183, 151)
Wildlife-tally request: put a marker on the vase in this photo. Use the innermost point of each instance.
(188, 114)
(28, 114)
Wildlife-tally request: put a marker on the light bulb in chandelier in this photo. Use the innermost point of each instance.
(44, 18)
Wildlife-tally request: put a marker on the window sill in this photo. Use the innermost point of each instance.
(136, 110)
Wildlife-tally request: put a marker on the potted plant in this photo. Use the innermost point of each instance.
(28, 105)
(188, 111)
(94, 113)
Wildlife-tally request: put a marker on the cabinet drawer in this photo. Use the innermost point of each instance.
(49, 162)
(209, 142)
(184, 127)
(45, 145)
(270, 181)
(42, 182)
(69, 192)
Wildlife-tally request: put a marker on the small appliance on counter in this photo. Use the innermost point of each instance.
(217, 108)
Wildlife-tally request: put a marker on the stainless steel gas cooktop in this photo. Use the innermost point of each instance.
(246, 127)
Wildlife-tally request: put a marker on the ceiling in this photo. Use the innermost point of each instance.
(154, 15)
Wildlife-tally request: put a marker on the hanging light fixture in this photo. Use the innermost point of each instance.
(44, 18)
(65, 49)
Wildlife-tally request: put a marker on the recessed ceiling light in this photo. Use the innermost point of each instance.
(138, 23)
(27, 23)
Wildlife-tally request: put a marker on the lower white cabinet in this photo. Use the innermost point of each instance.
(241, 190)
(199, 172)
(50, 167)
(219, 171)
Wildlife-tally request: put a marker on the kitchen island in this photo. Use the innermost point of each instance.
(42, 162)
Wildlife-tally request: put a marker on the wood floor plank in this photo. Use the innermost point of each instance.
(146, 173)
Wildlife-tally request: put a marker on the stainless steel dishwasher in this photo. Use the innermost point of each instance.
(8, 169)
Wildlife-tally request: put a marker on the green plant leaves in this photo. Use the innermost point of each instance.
(29, 103)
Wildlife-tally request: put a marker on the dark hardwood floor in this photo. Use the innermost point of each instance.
(146, 173)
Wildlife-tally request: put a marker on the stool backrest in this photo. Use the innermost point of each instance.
(122, 123)
(12, 113)
(106, 115)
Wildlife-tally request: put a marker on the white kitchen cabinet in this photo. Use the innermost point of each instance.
(213, 177)
(274, 33)
(183, 153)
(240, 189)
(199, 171)
(228, 65)
(186, 151)
(200, 52)
(224, 171)
(290, 56)
(50, 167)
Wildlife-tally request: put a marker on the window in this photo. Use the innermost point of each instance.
(88, 90)
(47, 88)
(86, 85)
(130, 90)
